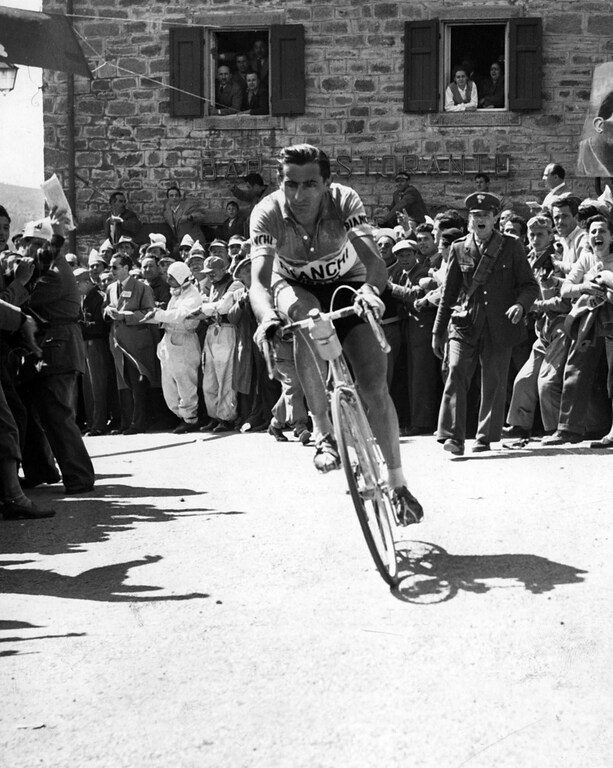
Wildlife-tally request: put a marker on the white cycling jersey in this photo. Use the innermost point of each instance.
(328, 256)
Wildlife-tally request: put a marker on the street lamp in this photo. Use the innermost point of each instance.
(8, 75)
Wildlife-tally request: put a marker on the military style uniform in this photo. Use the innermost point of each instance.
(491, 336)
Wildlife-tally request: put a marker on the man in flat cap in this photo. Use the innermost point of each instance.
(488, 290)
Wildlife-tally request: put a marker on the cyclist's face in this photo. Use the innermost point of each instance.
(304, 189)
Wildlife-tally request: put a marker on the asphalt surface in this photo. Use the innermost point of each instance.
(213, 603)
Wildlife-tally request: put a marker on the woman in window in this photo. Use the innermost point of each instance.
(461, 94)
(492, 88)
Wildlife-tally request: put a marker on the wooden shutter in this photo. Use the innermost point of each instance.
(525, 58)
(287, 69)
(187, 71)
(421, 66)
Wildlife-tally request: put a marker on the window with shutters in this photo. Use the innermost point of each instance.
(236, 72)
(502, 57)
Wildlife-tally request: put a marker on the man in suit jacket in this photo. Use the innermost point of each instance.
(255, 101)
(122, 220)
(504, 290)
(133, 344)
(228, 94)
(183, 216)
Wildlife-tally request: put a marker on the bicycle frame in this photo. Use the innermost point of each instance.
(361, 455)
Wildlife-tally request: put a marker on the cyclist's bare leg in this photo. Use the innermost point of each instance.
(369, 365)
(296, 302)
(370, 368)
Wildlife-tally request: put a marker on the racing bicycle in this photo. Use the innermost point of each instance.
(361, 456)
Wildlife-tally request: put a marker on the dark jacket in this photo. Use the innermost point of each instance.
(511, 281)
(256, 104)
(93, 325)
(129, 226)
(409, 200)
(56, 305)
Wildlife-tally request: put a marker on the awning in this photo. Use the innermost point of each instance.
(40, 40)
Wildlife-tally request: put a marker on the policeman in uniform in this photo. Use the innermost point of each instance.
(489, 277)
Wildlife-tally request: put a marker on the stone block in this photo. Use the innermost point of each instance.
(133, 65)
(149, 132)
(125, 84)
(384, 126)
(322, 12)
(386, 10)
(335, 83)
(380, 67)
(365, 85)
(90, 107)
(563, 24)
(298, 14)
(120, 108)
(599, 24)
(88, 159)
(354, 126)
(124, 159)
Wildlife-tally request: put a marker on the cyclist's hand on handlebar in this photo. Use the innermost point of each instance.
(366, 299)
(267, 328)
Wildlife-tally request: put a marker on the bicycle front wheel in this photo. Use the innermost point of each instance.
(363, 465)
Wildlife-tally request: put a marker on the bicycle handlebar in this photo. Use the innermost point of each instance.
(337, 314)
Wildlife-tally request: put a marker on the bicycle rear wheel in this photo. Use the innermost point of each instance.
(363, 464)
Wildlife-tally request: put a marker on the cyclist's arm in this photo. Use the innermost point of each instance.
(376, 272)
(259, 293)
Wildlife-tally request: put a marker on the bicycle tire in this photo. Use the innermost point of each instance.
(362, 461)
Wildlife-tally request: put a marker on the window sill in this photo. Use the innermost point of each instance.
(242, 122)
(482, 117)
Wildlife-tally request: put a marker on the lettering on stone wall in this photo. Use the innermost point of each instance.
(386, 166)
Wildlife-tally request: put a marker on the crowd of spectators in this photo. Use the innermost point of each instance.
(160, 336)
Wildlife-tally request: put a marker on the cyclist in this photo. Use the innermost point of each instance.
(308, 238)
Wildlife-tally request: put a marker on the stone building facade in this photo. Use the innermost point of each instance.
(357, 78)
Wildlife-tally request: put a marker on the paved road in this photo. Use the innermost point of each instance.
(213, 604)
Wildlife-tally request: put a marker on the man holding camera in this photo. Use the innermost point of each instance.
(488, 291)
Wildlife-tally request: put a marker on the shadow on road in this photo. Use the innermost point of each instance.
(6, 626)
(429, 574)
(90, 519)
(105, 584)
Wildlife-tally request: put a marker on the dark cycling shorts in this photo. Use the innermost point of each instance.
(344, 298)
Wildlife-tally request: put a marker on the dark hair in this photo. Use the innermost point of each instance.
(460, 68)
(599, 217)
(171, 187)
(557, 170)
(124, 260)
(425, 227)
(517, 219)
(450, 219)
(115, 195)
(483, 176)
(606, 106)
(4, 213)
(567, 201)
(450, 235)
(303, 154)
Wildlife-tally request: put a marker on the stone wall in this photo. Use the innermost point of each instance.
(354, 96)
